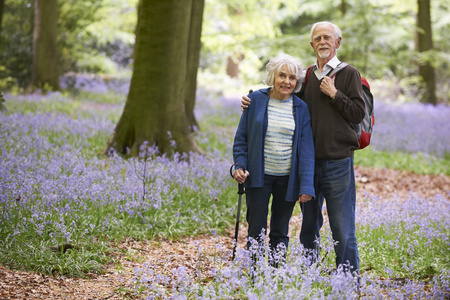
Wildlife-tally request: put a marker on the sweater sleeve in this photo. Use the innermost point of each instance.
(348, 100)
(240, 146)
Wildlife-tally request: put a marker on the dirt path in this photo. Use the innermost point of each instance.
(118, 280)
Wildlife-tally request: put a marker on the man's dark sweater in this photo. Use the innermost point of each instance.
(331, 120)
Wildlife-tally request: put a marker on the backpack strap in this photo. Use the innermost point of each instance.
(305, 81)
(331, 74)
(308, 71)
(339, 67)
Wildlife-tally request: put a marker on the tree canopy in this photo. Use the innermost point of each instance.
(380, 38)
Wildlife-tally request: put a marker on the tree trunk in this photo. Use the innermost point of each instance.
(193, 56)
(344, 7)
(233, 65)
(2, 5)
(155, 103)
(138, 10)
(425, 43)
(44, 73)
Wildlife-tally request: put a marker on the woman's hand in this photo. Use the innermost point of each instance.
(240, 176)
(304, 198)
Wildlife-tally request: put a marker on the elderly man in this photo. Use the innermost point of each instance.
(334, 104)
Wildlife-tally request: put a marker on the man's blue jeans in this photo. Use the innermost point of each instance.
(257, 200)
(334, 180)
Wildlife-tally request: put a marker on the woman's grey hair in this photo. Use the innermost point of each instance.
(294, 65)
(337, 31)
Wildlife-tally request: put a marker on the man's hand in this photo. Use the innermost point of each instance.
(327, 87)
(304, 198)
(240, 176)
(245, 101)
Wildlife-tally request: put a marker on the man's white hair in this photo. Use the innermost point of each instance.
(337, 31)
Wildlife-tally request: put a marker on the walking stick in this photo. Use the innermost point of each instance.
(241, 190)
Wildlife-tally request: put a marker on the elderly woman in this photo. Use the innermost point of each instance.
(274, 144)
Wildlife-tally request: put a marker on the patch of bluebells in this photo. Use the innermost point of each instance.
(298, 278)
(209, 103)
(412, 128)
(408, 127)
(95, 83)
(416, 228)
(49, 187)
(226, 111)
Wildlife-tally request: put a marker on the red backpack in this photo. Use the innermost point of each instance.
(365, 128)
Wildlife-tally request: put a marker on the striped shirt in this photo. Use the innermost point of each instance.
(278, 141)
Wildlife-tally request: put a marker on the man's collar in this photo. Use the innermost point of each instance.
(332, 63)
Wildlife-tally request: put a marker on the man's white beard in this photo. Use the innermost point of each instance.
(324, 54)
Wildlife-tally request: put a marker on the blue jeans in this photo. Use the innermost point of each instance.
(334, 180)
(257, 200)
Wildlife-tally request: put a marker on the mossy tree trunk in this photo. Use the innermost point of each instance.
(44, 73)
(155, 104)
(425, 43)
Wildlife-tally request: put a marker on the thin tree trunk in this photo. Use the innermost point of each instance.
(155, 109)
(2, 5)
(233, 65)
(425, 43)
(344, 7)
(193, 56)
(45, 73)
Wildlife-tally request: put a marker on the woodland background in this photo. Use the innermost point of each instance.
(116, 125)
(381, 38)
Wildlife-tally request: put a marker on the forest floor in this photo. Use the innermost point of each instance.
(117, 281)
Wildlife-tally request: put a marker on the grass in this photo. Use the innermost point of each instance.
(56, 189)
(418, 163)
(32, 252)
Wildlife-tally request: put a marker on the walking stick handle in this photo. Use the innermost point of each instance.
(241, 189)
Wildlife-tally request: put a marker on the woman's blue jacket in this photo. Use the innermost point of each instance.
(248, 148)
